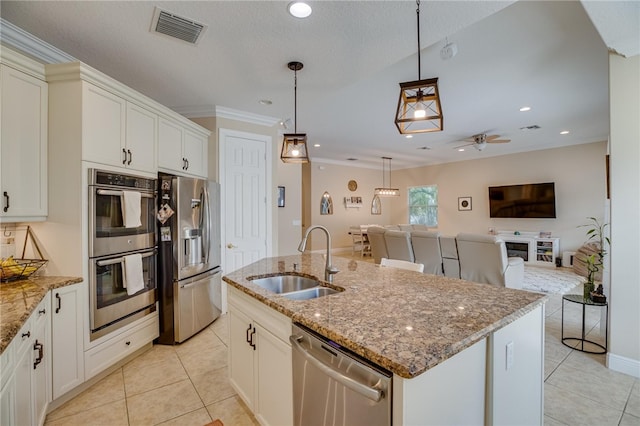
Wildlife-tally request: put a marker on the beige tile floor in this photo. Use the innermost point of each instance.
(188, 385)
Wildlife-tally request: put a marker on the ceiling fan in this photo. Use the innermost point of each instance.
(481, 140)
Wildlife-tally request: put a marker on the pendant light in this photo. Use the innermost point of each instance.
(419, 109)
(386, 191)
(294, 145)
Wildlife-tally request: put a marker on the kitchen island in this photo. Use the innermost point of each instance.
(418, 326)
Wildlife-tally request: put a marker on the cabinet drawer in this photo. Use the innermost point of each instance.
(272, 320)
(111, 351)
(41, 312)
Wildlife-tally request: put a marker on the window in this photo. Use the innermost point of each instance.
(423, 205)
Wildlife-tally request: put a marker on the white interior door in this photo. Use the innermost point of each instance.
(245, 179)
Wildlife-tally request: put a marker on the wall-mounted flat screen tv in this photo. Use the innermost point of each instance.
(533, 200)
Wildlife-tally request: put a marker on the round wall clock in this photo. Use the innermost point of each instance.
(352, 185)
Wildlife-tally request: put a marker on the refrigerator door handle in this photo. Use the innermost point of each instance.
(206, 226)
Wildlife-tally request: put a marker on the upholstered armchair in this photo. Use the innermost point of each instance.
(426, 250)
(483, 259)
(399, 245)
(376, 241)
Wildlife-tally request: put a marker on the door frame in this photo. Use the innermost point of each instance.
(223, 136)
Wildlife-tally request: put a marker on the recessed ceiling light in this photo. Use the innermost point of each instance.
(408, 136)
(299, 9)
(316, 145)
(460, 149)
(525, 108)
(265, 102)
(564, 132)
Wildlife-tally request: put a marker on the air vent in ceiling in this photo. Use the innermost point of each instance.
(533, 127)
(176, 26)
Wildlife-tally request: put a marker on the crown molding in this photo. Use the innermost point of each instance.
(31, 45)
(248, 117)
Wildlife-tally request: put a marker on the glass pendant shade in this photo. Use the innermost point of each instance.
(294, 148)
(386, 191)
(294, 145)
(419, 108)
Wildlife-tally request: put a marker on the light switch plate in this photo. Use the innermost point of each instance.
(509, 356)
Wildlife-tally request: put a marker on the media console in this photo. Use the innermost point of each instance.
(532, 249)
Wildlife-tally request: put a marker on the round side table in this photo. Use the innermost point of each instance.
(578, 298)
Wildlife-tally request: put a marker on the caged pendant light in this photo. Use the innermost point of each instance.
(419, 109)
(386, 191)
(294, 145)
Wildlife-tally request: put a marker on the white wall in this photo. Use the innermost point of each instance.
(333, 178)
(578, 173)
(624, 99)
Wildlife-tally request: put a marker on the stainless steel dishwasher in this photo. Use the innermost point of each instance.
(332, 386)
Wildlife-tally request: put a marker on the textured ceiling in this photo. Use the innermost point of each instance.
(547, 55)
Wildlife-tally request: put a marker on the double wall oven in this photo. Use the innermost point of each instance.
(110, 242)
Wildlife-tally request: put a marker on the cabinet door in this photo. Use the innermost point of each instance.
(23, 151)
(195, 152)
(170, 146)
(241, 355)
(41, 367)
(141, 138)
(66, 337)
(103, 130)
(273, 380)
(22, 377)
(8, 401)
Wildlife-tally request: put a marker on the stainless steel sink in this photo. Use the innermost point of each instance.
(294, 287)
(310, 293)
(286, 283)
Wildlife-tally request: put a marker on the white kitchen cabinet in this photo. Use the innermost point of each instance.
(23, 152)
(25, 396)
(260, 359)
(117, 132)
(67, 355)
(180, 150)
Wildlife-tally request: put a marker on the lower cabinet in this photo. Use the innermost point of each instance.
(26, 394)
(67, 356)
(260, 359)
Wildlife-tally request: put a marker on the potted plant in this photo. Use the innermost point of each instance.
(595, 262)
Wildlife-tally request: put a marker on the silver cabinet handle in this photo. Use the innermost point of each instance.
(364, 390)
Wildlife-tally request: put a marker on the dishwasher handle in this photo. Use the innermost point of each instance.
(362, 389)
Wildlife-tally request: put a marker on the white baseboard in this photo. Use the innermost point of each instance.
(623, 365)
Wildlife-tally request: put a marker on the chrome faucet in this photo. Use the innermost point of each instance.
(329, 270)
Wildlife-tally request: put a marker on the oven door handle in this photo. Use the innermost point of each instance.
(364, 390)
(119, 193)
(121, 259)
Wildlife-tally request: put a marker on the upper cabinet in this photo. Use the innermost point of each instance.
(120, 127)
(180, 150)
(117, 132)
(23, 151)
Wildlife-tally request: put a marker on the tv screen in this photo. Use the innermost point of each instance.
(533, 200)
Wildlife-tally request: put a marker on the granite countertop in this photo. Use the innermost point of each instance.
(404, 321)
(19, 298)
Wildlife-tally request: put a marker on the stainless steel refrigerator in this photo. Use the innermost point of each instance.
(189, 273)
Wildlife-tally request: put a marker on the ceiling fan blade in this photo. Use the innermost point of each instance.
(499, 141)
(491, 137)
